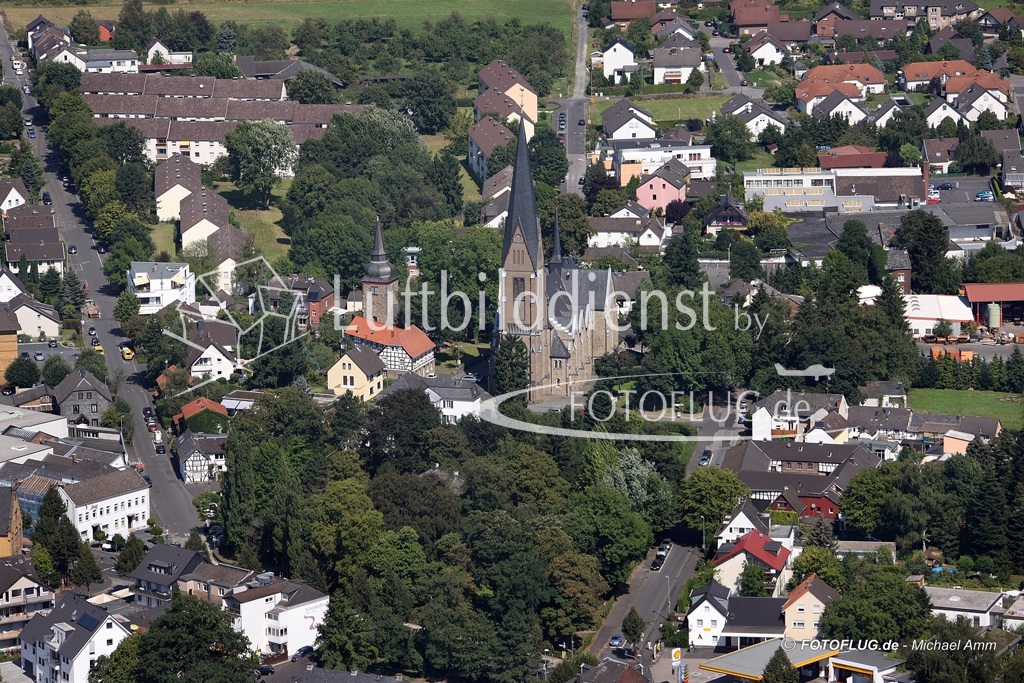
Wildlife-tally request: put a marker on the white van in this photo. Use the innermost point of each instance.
(157, 437)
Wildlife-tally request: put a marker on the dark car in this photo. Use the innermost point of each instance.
(582, 122)
(52, 343)
(7, 391)
(92, 330)
(744, 83)
(147, 411)
(716, 32)
(709, 23)
(32, 133)
(102, 249)
(726, 49)
(161, 449)
(72, 249)
(945, 186)
(656, 564)
(95, 341)
(302, 652)
(265, 670)
(46, 199)
(148, 480)
(582, 179)
(24, 354)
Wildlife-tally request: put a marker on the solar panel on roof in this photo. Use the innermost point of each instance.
(88, 622)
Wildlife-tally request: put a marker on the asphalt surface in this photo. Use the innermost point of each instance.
(575, 109)
(172, 502)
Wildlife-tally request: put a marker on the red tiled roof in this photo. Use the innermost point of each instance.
(995, 292)
(925, 71)
(413, 340)
(197, 406)
(627, 11)
(753, 543)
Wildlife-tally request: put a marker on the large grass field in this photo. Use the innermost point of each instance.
(1006, 407)
(407, 13)
(674, 109)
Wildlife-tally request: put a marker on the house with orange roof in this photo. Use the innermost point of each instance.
(917, 75)
(867, 79)
(804, 606)
(810, 93)
(402, 349)
(986, 79)
(754, 547)
(203, 415)
(751, 16)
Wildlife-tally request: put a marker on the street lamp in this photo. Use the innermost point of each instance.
(702, 532)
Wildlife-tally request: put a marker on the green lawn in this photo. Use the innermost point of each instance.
(672, 109)
(918, 97)
(261, 223)
(1006, 407)
(761, 79)
(760, 160)
(163, 238)
(407, 13)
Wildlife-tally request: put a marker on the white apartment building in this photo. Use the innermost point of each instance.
(278, 616)
(114, 503)
(23, 596)
(61, 646)
(643, 157)
(161, 284)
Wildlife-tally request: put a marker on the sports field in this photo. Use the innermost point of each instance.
(1005, 407)
(407, 13)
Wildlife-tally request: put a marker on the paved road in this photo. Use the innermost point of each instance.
(172, 503)
(575, 109)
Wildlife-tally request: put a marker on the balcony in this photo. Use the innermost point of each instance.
(278, 639)
(155, 590)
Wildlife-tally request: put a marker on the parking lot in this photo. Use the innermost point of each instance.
(965, 191)
(69, 353)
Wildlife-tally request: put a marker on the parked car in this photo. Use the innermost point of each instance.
(107, 545)
(302, 652)
(39, 356)
(705, 459)
(616, 641)
(52, 343)
(7, 391)
(24, 354)
(727, 49)
(148, 480)
(147, 411)
(656, 564)
(32, 132)
(95, 341)
(153, 426)
(582, 179)
(709, 23)
(582, 122)
(28, 120)
(72, 249)
(716, 32)
(471, 377)
(92, 330)
(265, 670)
(102, 249)
(161, 449)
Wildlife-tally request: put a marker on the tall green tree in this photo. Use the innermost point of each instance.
(220, 65)
(780, 669)
(708, 495)
(752, 581)
(977, 155)
(345, 638)
(260, 151)
(547, 157)
(65, 547)
(83, 29)
(729, 138)
(312, 87)
(22, 373)
(126, 306)
(87, 570)
(122, 666)
(197, 637)
(680, 262)
(821, 535)
(431, 99)
(633, 626)
(511, 366)
(926, 240)
(131, 555)
(43, 564)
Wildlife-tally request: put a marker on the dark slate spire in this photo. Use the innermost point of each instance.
(556, 251)
(379, 269)
(522, 206)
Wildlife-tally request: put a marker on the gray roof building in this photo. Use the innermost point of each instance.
(105, 486)
(80, 379)
(75, 617)
(671, 57)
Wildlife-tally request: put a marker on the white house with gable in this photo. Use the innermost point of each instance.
(114, 503)
(278, 616)
(618, 54)
(161, 284)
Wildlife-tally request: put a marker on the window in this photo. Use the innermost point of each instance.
(700, 622)
(88, 394)
(798, 624)
(95, 408)
(714, 623)
(76, 409)
(817, 609)
(81, 395)
(518, 287)
(800, 608)
(110, 641)
(977, 621)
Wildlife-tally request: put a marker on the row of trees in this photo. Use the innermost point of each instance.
(59, 555)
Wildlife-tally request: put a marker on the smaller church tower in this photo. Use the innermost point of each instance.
(380, 285)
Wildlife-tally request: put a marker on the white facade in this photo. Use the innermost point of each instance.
(769, 53)
(757, 124)
(636, 128)
(161, 284)
(48, 667)
(674, 74)
(924, 311)
(115, 515)
(705, 624)
(34, 323)
(696, 157)
(168, 205)
(987, 101)
(168, 56)
(981, 608)
(942, 111)
(9, 287)
(67, 55)
(214, 363)
(198, 232)
(12, 199)
(200, 151)
(616, 56)
(273, 627)
(737, 527)
(647, 238)
(452, 411)
(851, 111)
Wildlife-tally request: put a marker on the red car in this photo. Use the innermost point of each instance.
(153, 427)
(726, 49)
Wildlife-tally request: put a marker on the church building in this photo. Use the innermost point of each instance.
(557, 309)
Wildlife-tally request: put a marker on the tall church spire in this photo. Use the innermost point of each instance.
(379, 268)
(522, 207)
(556, 250)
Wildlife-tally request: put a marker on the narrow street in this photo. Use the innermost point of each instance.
(172, 502)
(575, 109)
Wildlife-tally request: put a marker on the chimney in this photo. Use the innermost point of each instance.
(924, 170)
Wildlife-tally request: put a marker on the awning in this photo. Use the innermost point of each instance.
(178, 280)
(141, 279)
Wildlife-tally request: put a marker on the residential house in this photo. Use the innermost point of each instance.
(727, 213)
(938, 13)
(707, 615)
(674, 65)
(208, 359)
(106, 28)
(158, 53)
(975, 99)
(792, 34)
(12, 193)
(96, 61)
(751, 16)
(505, 79)
(212, 582)
(360, 371)
(484, 137)
(742, 520)
(938, 110)
(82, 398)
(1006, 140)
(649, 233)
(454, 398)
(804, 606)
(789, 413)
(625, 11)
(173, 180)
(632, 209)
(641, 157)
(501, 107)
(881, 116)
(42, 246)
(809, 504)
(61, 646)
(402, 350)
(758, 548)
(1013, 618)
(677, 26)
(201, 457)
(114, 503)
(498, 184)
(980, 608)
(950, 36)
(280, 69)
(1000, 88)
(202, 415)
(1013, 169)
(665, 185)
(995, 19)
(38, 398)
(224, 245)
(10, 285)
(495, 212)
(312, 297)
(861, 29)
(161, 284)
(939, 153)
(838, 104)
(766, 49)
(22, 596)
(811, 92)
(157, 575)
(624, 120)
(851, 156)
(36, 319)
(854, 57)
(202, 214)
(755, 113)
(617, 56)
(825, 19)
(869, 423)
(919, 75)
(820, 81)
(884, 394)
(278, 616)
